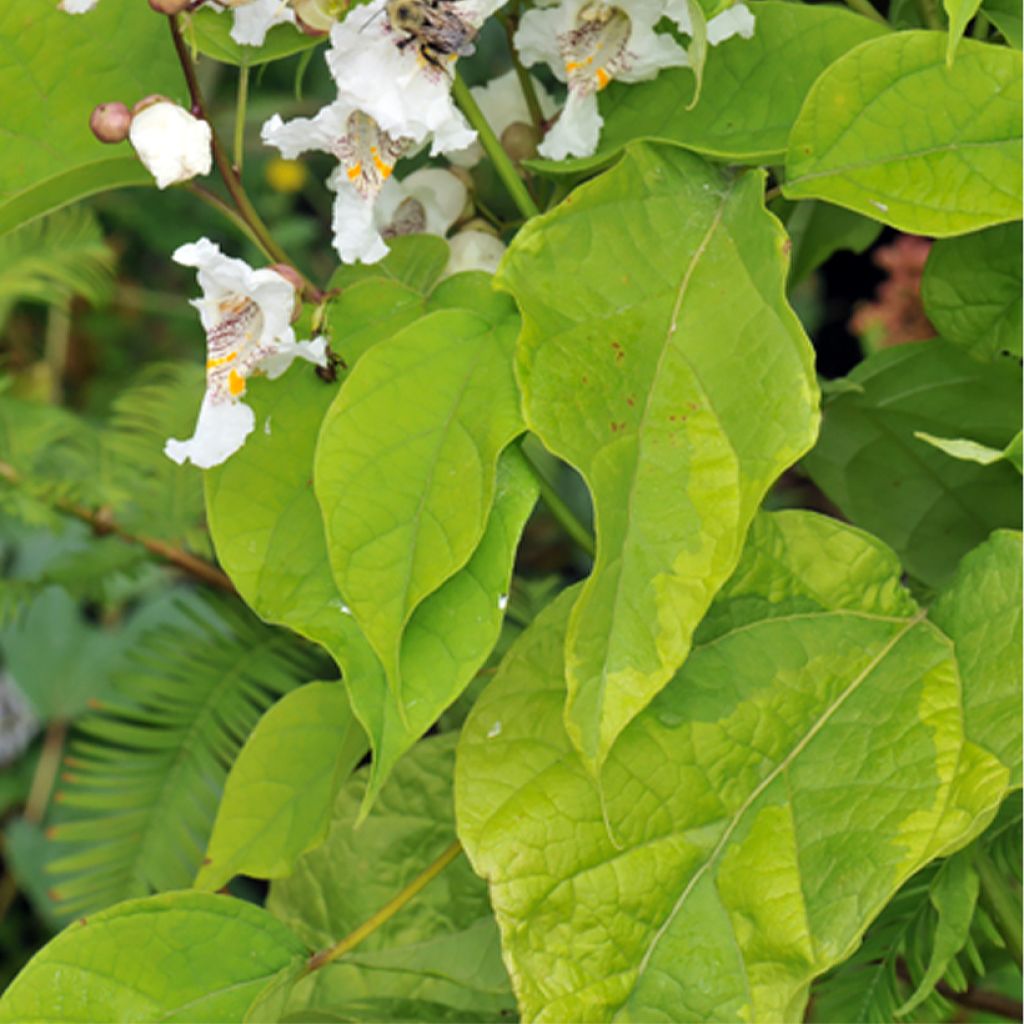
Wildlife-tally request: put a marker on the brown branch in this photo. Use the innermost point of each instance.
(973, 998)
(232, 181)
(103, 524)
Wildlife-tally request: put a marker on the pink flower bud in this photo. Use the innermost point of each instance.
(169, 6)
(110, 122)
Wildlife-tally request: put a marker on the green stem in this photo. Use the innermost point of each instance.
(867, 9)
(240, 105)
(997, 899)
(227, 211)
(981, 26)
(560, 510)
(929, 12)
(525, 81)
(371, 924)
(502, 163)
(232, 183)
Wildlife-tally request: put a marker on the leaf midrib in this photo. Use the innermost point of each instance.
(781, 767)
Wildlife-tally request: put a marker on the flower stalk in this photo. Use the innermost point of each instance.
(371, 924)
(232, 182)
(502, 163)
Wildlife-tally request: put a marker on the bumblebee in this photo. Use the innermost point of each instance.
(434, 27)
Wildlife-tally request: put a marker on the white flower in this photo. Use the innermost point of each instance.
(76, 6)
(474, 250)
(174, 145)
(369, 206)
(428, 201)
(402, 83)
(255, 18)
(587, 43)
(502, 103)
(246, 314)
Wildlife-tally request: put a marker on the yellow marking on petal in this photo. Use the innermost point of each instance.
(354, 171)
(236, 383)
(384, 168)
(212, 363)
(603, 78)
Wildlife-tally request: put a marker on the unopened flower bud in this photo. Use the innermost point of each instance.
(480, 225)
(474, 250)
(520, 141)
(169, 6)
(174, 145)
(110, 122)
(315, 17)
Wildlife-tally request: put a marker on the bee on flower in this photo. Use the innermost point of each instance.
(247, 315)
(394, 61)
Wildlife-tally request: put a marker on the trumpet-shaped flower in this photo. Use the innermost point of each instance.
(588, 43)
(246, 314)
(396, 77)
(173, 145)
(369, 205)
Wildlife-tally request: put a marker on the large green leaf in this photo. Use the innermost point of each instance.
(58, 67)
(971, 290)
(664, 364)
(807, 759)
(1006, 16)
(932, 509)
(78, 183)
(179, 957)
(277, 798)
(405, 465)
(751, 93)
(980, 610)
(269, 536)
(891, 131)
(380, 299)
(442, 948)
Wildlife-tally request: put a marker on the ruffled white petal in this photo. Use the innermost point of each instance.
(302, 134)
(738, 20)
(76, 6)
(172, 144)
(356, 235)
(536, 39)
(405, 95)
(576, 131)
(253, 20)
(314, 351)
(474, 250)
(220, 431)
(222, 276)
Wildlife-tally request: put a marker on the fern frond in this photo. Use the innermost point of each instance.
(52, 259)
(144, 775)
(164, 500)
(895, 961)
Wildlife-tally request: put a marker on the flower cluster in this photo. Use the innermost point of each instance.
(392, 63)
